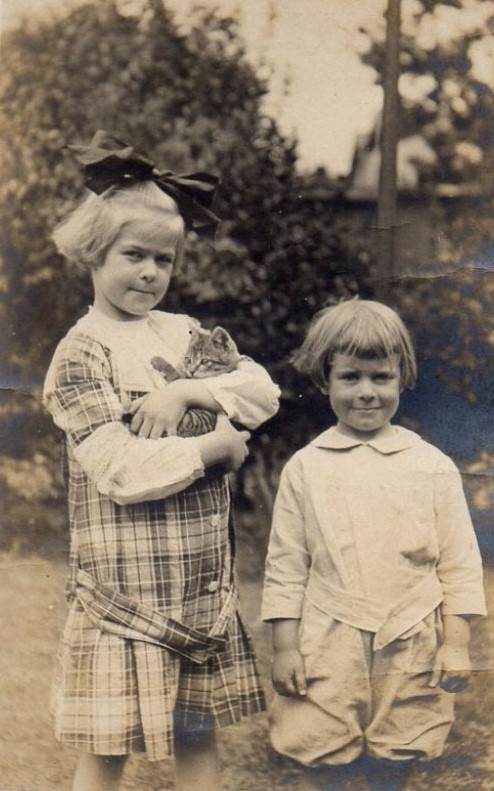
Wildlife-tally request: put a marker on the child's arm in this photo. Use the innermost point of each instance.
(288, 669)
(287, 568)
(247, 396)
(160, 411)
(225, 445)
(80, 396)
(452, 667)
(459, 570)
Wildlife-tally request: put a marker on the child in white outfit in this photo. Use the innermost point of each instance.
(373, 569)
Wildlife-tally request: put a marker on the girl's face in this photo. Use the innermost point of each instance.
(364, 393)
(135, 274)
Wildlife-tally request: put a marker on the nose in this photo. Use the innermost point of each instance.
(148, 269)
(366, 390)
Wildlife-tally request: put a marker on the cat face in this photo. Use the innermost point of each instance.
(210, 353)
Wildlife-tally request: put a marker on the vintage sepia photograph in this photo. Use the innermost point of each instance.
(246, 405)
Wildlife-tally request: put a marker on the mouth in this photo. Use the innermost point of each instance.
(142, 291)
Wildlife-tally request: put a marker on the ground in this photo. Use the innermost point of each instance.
(31, 591)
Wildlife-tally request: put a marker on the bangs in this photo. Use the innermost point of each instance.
(86, 234)
(153, 228)
(356, 328)
(367, 335)
(152, 212)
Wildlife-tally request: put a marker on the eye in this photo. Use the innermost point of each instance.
(349, 376)
(133, 255)
(383, 377)
(164, 260)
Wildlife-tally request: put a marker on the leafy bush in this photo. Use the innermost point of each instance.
(190, 103)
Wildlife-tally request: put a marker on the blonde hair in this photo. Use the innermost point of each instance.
(360, 328)
(84, 237)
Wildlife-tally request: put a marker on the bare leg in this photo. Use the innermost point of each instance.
(98, 772)
(196, 761)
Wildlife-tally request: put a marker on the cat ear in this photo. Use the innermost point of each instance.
(197, 336)
(221, 339)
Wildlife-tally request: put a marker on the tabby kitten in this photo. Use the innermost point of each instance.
(208, 354)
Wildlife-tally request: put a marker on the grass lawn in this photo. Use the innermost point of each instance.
(33, 610)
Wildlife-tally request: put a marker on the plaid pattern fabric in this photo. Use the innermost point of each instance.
(135, 570)
(113, 696)
(118, 614)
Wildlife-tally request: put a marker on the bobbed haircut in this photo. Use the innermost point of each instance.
(86, 234)
(358, 328)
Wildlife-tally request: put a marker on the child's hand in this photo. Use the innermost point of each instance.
(289, 673)
(159, 412)
(452, 668)
(225, 445)
(235, 443)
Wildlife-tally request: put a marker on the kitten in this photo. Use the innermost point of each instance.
(208, 354)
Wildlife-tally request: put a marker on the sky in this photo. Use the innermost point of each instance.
(320, 93)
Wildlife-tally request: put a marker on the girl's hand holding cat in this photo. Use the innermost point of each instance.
(159, 412)
(225, 445)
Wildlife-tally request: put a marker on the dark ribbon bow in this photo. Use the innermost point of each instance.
(109, 162)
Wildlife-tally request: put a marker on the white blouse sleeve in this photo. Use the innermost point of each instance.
(459, 566)
(81, 398)
(247, 395)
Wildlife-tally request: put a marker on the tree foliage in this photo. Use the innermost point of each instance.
(453, 311)
(190, 102)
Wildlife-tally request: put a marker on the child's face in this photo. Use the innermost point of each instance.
(364, 394)
(135, 274)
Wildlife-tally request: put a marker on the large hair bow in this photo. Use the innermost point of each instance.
(109, 162)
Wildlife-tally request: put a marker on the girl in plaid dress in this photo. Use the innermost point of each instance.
(154, 655)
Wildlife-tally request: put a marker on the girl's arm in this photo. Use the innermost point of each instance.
(159, 412)
(81, 398)
(247, 396)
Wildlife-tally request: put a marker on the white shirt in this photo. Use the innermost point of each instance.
(377, 534)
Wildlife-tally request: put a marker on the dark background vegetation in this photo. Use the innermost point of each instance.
(194, 102)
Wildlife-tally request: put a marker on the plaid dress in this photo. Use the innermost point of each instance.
(153, 634)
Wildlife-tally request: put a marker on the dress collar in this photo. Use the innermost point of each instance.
(391, 439)
(96, 316)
